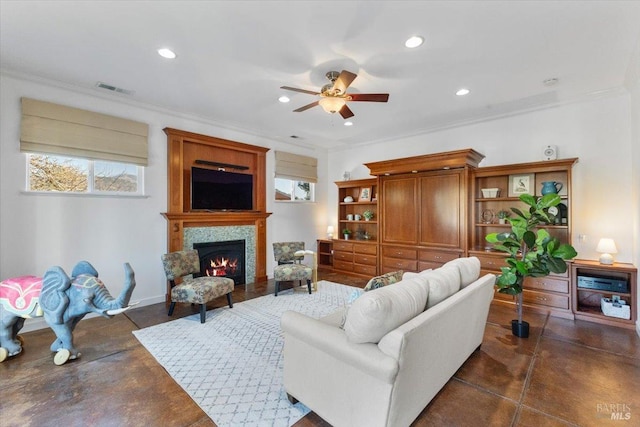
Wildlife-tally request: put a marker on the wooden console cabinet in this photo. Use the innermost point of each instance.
(587, 301)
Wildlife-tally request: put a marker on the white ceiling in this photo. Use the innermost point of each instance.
(233, 56)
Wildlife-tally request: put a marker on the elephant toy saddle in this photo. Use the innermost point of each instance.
(20, 294)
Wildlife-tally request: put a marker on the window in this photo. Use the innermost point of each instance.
(49, 173)
(295, 177)
(293, 190)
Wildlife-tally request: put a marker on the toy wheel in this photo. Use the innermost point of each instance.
(19, 338)
(61, 357)
(3, 354)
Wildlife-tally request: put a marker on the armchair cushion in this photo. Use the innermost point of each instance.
(381, 310)
(201, 290)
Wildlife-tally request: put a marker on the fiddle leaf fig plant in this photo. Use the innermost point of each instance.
(532, 251)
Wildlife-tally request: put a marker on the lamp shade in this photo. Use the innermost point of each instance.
(332, 104)
(330, 231)
(606, 247)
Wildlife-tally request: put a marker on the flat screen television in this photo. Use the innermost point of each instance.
(216, 190)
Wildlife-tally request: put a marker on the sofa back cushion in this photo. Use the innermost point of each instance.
(469, 269)
(381, 310)
(443, 282)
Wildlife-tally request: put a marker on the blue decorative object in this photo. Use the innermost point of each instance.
(551, 187)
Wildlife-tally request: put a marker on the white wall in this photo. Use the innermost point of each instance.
(40, 231)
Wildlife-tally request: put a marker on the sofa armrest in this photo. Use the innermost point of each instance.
(332, 341)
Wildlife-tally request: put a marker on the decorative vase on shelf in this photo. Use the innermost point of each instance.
(551, 187)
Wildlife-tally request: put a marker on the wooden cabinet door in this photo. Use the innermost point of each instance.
(400, 210)
(440, 210)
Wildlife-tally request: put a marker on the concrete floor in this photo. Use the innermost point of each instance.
(567, 373)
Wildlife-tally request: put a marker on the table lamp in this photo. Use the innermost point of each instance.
(606, 247)
(330, 232)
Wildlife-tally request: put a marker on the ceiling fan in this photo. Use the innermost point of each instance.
(333, 96)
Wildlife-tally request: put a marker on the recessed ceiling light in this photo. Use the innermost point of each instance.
(348, 123)
(550, 82)
(414, 41)
(284, 99)
(166, 53)
(463, 92)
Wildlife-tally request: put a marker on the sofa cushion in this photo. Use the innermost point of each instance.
(469, 269)
(384, 280)
(443, 282)
(381, 310)
(411, 275)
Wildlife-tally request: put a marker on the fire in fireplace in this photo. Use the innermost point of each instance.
(226, 258)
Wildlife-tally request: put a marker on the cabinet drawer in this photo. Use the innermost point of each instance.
(423, 265)
(400, 264)
(343, 256)
(365, 249)
(342, 246)
(399, 253)
(369, 270)
(503, 297)
(436, 256)
(491, 263)
(341, 265)
(364, 259)
(547, 284)
(549, 300)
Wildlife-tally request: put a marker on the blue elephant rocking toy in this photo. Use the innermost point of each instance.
(62, 300)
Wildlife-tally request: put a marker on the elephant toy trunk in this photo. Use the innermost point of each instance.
(105, 301)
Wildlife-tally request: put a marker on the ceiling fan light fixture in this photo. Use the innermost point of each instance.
(332, 104)
(348, 123)
(284, 99)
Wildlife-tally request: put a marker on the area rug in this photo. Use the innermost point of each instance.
(232, 365)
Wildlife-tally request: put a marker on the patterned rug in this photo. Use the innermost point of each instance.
(232, 365)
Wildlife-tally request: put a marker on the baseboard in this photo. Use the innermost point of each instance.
(38, 323)
(638, 327)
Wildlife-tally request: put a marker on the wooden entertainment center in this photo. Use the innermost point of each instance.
(430, 209)
(186, 149)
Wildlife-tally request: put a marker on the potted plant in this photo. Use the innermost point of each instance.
(368, 215)
(502, 217)
(533, 252)
(346, 233)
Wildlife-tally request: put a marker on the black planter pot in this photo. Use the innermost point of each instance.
(521, 329)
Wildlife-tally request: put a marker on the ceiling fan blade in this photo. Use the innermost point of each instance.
(310, 92)
(343, 81)
(346, 112)
(306, 107)
(371, 97)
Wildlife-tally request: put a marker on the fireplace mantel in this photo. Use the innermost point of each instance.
(184, 149)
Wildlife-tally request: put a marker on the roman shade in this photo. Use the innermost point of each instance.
(57, 129)
(296, 167)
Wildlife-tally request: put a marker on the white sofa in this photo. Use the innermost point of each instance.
(381, 361)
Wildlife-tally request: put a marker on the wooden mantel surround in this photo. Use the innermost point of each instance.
(183, 149)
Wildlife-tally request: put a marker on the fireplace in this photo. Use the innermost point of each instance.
(225, 258)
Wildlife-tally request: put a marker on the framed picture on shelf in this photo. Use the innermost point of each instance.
(521, 184)
(365, 194)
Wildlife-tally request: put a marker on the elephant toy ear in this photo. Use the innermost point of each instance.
(53, 299)
(84, 267)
